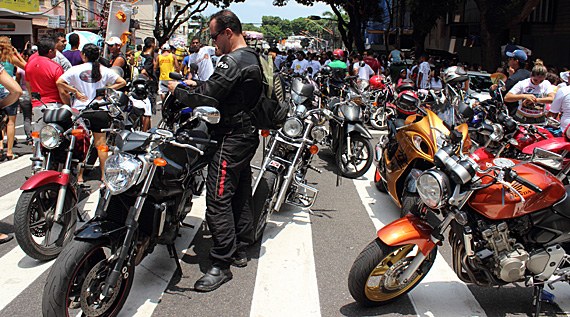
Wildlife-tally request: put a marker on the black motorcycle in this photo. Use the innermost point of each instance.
(150, 180)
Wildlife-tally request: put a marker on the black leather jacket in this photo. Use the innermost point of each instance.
(236, 84)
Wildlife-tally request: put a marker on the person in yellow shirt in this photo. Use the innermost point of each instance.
(167, 63)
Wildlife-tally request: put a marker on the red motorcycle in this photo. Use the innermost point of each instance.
(508, 221)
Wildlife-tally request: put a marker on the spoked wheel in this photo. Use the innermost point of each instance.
(39, 234)
(374, 278)
(379, 118)
(356, 164)
(263, 203)
(77, 278)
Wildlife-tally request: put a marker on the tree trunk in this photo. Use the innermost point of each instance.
(491, 42)
(419, 43)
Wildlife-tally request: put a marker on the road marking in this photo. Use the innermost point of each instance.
(19, 270)
(156, 270)
(8, 203)
(441, 288)
(286, 282)
(15, 165)
(21, 138)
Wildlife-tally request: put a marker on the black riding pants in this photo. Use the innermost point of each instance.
(229, 198)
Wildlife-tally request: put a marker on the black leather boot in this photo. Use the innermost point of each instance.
(213, 279)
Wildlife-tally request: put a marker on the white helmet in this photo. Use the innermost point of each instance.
(455, 74)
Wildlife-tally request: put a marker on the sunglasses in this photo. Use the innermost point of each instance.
(215, 36)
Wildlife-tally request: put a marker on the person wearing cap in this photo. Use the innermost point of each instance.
(517, 72)
(118, 59)
(166, 63)
(564, 78)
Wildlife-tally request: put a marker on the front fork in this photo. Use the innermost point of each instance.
(63, 188)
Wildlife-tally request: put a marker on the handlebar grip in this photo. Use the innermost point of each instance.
(528, 184)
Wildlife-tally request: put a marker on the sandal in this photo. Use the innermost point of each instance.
(8, 238)
(12, 157)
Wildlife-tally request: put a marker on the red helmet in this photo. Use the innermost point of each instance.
(376, 82)
(338, 53)
(407, 102)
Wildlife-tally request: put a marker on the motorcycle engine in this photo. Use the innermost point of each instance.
(510, 258)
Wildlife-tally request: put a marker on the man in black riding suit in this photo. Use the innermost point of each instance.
(236, 84)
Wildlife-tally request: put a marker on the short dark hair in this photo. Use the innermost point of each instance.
(45, 44)
(74, 40)
(139, 47)
(57, 35)
(227, 19)
(148, 42)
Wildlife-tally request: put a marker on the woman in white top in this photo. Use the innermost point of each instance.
(83, 80)
(435, 78)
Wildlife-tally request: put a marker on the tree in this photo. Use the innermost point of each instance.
(496, 18)
(352, 28)
(424, 15)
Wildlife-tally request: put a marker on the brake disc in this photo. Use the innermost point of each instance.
(91, 302)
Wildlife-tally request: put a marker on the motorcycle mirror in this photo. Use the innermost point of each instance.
(465, 111)
(547, 158)
(209, 114)
(36, 96)
(175, 76)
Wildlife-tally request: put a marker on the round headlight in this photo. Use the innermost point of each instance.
(297, 98)
(50, 136)
(293, 127)
(319, 133)
(433, 188)
(121, 172)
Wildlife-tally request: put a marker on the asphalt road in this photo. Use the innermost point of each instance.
(299, 269)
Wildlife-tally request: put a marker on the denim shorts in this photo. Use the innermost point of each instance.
(12, 109)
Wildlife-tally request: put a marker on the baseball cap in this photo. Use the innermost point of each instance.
(519, 55)
(165, 47)
(113, 40)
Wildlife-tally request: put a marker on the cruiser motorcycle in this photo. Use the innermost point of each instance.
(508, 221)
(150, 180)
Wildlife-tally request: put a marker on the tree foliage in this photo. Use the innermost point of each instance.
(424, 15)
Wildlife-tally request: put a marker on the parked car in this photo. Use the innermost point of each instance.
(479, 85)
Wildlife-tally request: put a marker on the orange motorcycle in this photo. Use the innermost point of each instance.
(509, 221)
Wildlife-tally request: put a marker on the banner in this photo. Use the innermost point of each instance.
(21, 5)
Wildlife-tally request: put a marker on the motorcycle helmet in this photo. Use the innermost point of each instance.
(376, 82)
(338, 53)
(326, 70)
(407, 103)
(139, 90)
(454, 75)
(406, 84)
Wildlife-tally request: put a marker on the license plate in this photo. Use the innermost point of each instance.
(274, 164)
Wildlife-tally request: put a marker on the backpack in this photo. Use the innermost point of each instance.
(270, 111)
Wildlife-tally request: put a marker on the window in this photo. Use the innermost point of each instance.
(543, 13)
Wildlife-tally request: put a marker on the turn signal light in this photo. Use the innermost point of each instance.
(36, 134)
(314, 149)
(77, 132)
(264, 133)
(159, 162)
(103, 148)
(375, 104)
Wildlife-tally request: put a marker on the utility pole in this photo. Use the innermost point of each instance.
(67, 16)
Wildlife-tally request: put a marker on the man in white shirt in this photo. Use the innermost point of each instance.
(202, 58)
(423, 72)
(561, 104)
(314, 64)
(300, 64)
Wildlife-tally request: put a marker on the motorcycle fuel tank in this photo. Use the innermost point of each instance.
(496, 202)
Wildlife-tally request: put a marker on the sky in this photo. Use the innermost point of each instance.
(251, 11)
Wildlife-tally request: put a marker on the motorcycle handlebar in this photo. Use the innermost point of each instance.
(528, 184)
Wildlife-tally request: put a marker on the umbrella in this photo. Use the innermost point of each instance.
(85, 37)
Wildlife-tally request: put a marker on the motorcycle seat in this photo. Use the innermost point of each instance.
(563, 207)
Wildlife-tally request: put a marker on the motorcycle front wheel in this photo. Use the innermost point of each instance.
(263, 203)
(360, 160)
(40, 235)
(373, 278)
(76, 280)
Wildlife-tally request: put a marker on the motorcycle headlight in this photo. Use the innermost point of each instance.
(114, 111)
(319, 133)
(298, 99)
(293, 127)
(433, 188)
(121, 172)
(51, 136)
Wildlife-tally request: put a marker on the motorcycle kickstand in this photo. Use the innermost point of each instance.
(174, 255)
(536, 299)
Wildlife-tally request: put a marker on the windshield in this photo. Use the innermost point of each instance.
(480, 83)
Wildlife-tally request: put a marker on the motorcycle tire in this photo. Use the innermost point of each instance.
(379, 182)
(367, 280)
(263, 203)
(65, 292)
(30, 224)
(341, 157)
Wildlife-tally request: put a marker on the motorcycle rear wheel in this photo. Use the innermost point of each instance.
(372, 280)
(361, 160)
(263, 203)
(65, 291)
(33, 219)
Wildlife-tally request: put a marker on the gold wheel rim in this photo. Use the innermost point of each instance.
(378, 292)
